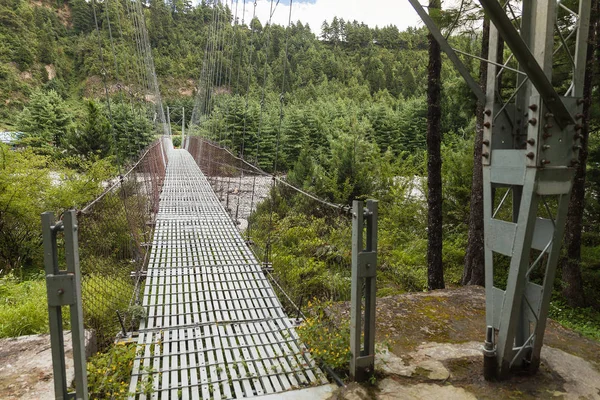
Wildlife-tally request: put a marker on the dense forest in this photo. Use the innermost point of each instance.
(340, 110)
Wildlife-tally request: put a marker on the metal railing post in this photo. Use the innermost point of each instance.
(364, 271)
(64, 289)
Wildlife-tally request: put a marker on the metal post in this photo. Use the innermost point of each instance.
(183, 128)
(364, 270)
(529, 149)
(169, 121)
(64, 289)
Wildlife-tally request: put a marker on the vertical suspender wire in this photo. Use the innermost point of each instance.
(209, 89)
(139, 71)
(211, 57)
(140, 19)
(218, 65)
(128, 74)
(229, 43)
(207, 66)
(237, 85)
(219, 56)
(262, 108)
(141, 58)
(143, 72)
(106, 93)
(117, 71)
(123, 196)
(275, 161)
(253, 46)
(194, 119)
(152, 71)
(262, 100)
(215, 76)
(110, 116)
(253, 41)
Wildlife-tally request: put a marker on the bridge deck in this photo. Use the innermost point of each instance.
(214, 326)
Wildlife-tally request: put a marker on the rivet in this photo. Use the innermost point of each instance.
(548, 126)
(487, 125)
(485, 155)
(549, 115)
(577, 147)
(544, 162)
(531, 141)
(545, 147)
(533, 107)
(578, 127)
(488, 112)
(580, 101)
(486, 142)
(530, 155)
(60, 291)
(579, 116)
(533, 121)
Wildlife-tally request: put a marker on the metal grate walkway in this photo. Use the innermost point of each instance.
(214, 327)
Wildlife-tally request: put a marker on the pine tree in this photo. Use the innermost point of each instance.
(46, 119)
(92, 138)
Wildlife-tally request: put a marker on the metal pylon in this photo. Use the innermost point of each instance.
(530, 146)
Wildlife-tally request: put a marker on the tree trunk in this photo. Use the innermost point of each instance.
(571, 262)
(435, 270)
(474, 271)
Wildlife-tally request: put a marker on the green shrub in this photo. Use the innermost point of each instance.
(326, 339)
(109, 373)
(176, 141)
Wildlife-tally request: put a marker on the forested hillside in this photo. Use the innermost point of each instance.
(351, 103)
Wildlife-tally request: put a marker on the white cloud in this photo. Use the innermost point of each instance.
(372, 12)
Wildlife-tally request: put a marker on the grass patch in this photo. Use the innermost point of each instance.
(24, 307)
(585, 321)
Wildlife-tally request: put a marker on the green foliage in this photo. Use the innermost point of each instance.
(585, 321)
(46, 119)
(24, 308)
(132, 130)
(327, 339)
(176, 141)
(92, 138)
(108, 373)
(29, 187)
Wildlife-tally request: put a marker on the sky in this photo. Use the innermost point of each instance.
(314, 12)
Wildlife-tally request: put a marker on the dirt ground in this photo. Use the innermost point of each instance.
(430, 346)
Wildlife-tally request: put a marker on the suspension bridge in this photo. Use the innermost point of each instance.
(215, 328)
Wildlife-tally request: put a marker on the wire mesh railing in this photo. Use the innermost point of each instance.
(115, 231)
(302, 240)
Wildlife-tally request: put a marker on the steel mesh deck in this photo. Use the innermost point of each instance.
(214, 326)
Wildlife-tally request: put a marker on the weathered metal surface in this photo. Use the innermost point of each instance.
(364, 272)
(214, 326)
(529, 149)
(64, 289)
